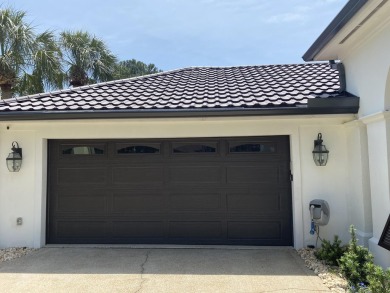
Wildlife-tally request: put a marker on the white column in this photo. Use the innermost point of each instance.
(378, 137)
(358, 196)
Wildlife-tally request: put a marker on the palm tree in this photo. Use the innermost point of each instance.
(29, 63)
(87, 58)
(131, 68)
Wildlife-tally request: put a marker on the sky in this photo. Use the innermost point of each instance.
(175, 34)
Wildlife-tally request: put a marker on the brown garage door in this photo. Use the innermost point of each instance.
(183, 191)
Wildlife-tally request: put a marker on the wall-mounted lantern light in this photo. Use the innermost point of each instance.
(14, 159)
(320, 153)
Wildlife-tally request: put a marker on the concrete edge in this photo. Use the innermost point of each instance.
(167, 246)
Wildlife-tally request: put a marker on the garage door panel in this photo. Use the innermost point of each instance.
(149, 175)
(262, 202)
(84, 229)
(89, 203)
(138, 229)
(250, 174)
(206, 201)
(134, 201)
(254, 230)
(285, 200)
(80, 176)
(200, 229)
(194, 174)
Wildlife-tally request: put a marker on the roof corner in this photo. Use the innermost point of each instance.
(342, 18)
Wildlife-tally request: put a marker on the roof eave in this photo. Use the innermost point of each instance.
(339, 105)
(337, 24)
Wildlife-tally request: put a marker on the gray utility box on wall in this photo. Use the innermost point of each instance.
(319, 211)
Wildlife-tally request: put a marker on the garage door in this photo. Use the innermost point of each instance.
(174, 191)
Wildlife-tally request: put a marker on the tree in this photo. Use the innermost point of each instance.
(131, 68)
(87, 58)
(31, 63)
(28, 61)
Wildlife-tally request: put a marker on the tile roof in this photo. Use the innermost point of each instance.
(255, 87)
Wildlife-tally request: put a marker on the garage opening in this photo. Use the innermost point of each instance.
(174, 191)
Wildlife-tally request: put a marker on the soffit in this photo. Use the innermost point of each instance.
(368, 21)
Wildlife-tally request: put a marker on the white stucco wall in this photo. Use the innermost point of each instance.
(23, 194)
(367, 64)
(367, 67)
(329, 182)
(17, 192)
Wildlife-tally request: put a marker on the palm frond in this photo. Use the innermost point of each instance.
(87, 57)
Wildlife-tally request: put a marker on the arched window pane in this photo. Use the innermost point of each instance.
(138, 149)
(82, 150)
(194, 148)
(252, 148)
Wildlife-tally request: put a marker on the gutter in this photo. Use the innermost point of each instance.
(337, 24)
(336, 105)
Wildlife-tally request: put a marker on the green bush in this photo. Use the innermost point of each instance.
(378, 279)
(355, 262)
(356, 265)
(331, 252)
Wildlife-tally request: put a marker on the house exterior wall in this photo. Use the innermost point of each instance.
(367, 67)
(367, 64)
(23, 194)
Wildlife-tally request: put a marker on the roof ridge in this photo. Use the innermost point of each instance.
(262, 65)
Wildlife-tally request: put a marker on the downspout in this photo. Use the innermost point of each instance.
(341, 69)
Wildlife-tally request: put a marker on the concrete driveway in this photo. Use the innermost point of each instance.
(77, 269)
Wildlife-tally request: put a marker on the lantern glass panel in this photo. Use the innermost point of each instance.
(320, 155)
(14, 162)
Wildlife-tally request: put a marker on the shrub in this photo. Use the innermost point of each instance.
(331, 252)
(355, 262)
(379, 279)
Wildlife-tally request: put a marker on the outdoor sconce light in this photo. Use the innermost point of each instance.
(14, 159)
(320, 153)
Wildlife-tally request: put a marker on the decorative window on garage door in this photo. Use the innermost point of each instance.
(82, 150)
(152, 148)
(252, 147)
(194, 148)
